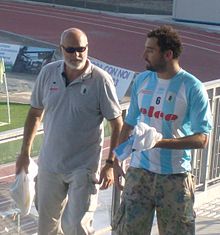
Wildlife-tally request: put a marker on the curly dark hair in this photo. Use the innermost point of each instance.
(167, 39)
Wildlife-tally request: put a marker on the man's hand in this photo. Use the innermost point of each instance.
(118, 173)
(106, 177)
(22, 162)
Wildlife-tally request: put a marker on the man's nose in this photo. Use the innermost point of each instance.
(75, 54)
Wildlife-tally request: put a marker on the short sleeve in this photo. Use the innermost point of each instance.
(37, 92)
(200, 112)
(109, 103)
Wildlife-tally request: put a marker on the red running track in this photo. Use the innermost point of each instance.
(112, 39)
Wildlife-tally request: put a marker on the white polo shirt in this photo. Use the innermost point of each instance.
(73, 116)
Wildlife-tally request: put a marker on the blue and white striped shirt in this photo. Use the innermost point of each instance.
(176, 108)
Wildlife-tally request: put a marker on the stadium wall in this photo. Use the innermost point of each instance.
(197, 11)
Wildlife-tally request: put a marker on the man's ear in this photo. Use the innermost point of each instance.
(168, 54)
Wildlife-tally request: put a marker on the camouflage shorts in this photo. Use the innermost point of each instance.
(171, 196)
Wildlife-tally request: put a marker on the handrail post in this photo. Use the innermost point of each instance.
(116, 193)
(116, 196)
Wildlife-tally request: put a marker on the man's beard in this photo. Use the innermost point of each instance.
(158, 67)
(76, 66)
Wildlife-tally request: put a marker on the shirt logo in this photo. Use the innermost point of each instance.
(83, 89)
(151, 112)
(170, 96)
(54, 87)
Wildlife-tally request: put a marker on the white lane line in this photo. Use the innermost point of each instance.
(113, 17)
(116, 23)
(8, 176)
(202, 41)
(4, 202)
(75, 20)
(116, 28)
(202, 48)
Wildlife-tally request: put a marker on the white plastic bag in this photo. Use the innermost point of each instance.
(145, 137)
(23, 189)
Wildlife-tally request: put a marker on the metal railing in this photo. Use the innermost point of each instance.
(206, 162)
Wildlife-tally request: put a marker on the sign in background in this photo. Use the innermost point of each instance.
(122, 77)
(9, 53)
(24, 59)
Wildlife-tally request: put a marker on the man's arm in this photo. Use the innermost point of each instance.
(125, 132)
(116, 126)
(196, 141)
(118, 171)
(106, 176)
(32, 123)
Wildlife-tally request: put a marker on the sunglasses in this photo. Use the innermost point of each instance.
(74, 49)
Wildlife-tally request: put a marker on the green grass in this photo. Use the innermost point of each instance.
(18, 115)
(10, 150)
